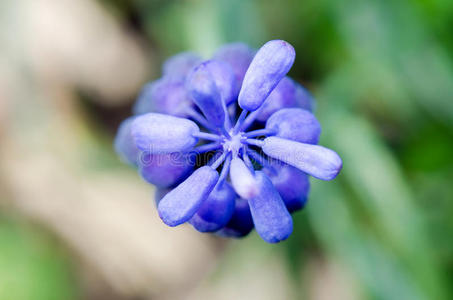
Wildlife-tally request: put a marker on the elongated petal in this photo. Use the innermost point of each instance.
(291, 183)
(241, 222)
(238, 56)
(295, 124)
(205, 94)
(270, 216)
(216, 210)
(284, 95)
(179, 205)
(124, 143)
(164, 96)
(159, 134)
(304, 99)
(165, 170)
(268, 67)
(315, 160)
(242, 179)
(178, 67)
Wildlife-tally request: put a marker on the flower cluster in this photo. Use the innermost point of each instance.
(228, 141)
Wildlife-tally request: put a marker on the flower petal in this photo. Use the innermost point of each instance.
(315, 160)
(178, 66)
(216, 210)
(283, 95)
(304, 99)
(238, 56)
(179, 205)
(165, 97)
(295, 124)
(224, 79)
(205, 94)
(159, 134)
(270, 216)
(291, 183)
(241, 222)
(165, 170)
(270, 64)
(124, 143)
(242, 179)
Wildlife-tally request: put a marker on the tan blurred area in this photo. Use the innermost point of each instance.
(106, 216)
(58, 171)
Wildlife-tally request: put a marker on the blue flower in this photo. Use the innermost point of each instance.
(229, 142)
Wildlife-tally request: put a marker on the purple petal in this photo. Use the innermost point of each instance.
(295, 124)
(165, 170)
(224, 79)
(144, 102)
(160, 193)
(159, 134)
(165, 97)
(178, 67)
(238, 56)
(179, 205)
(291, 183)
(284, 95)
(304, 99)
(241, 222)
(270, 216)
(315, 160)
(268, 67)
(216, 210)
(205, 94)
(242, 179)
(124, 143)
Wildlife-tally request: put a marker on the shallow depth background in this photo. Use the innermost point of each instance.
(76, 223)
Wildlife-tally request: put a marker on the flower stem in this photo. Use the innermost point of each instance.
(225, 169)
(240, 121)
(254, 142)
(219, 161)
(207, 147)
(207, 136)
(259, 132)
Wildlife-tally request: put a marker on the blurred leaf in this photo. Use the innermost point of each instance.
(32, 267)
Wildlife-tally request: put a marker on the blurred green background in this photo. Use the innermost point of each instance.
(75, 223)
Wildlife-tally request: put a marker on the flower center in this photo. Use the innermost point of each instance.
(233, 143)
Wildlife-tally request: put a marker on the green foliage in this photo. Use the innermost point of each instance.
(32, 265)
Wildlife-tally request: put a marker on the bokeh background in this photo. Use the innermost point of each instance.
(76, 223)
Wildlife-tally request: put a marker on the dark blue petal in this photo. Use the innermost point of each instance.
(270, 216)
(295, 124)
(304, 99)
(159, 134)
(291, 183)
(178, 67)
(314, 160)
(164, 96)
(216, 210)
(165, 170)
(124, 143)
(241, 222)
(224, 79)
(268, 67)
(284, 95)
(242, 179)
(205, 94)
(238, 56)
(179, 205)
